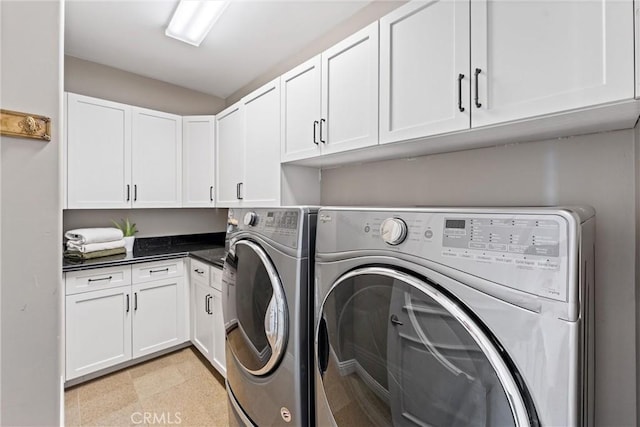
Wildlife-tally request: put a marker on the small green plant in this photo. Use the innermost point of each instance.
(127, 228)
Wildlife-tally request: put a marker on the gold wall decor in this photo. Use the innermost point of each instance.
(25, 125)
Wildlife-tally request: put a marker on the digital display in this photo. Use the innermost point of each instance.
(455, 223)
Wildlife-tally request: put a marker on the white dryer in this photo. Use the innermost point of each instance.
(454, 317)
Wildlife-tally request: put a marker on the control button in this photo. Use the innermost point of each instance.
(393, 231)
(548, 265)
(250, 219)
(367, 229)
(428, 234)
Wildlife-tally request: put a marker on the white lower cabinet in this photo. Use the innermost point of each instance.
(202, 323)
(207, 323)
(98, 330)
(112, 320)
(158, 315)
(218, 360)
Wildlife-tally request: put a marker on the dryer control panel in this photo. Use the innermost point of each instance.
(530, 251)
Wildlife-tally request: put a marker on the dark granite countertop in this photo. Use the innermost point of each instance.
(213, 256)
(207, 247)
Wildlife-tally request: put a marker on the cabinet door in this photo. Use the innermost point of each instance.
(198, 149)
(541, 57)
(301, 110)
(157, 159)
(424, 70)
(262, 146)
(219, 361)
(97, 330)
(230, 156)
(202, 317)
(350, 92)
(98, 153)
(158, 315)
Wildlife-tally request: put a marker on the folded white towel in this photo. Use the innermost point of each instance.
(94, 235)
(92, 247)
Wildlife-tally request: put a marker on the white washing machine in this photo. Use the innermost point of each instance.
(454, 317)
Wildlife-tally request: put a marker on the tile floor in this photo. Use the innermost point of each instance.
(176, 389)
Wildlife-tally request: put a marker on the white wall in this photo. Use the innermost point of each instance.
(100, 81)
(152, 222)
(31, 217)
(597, 170)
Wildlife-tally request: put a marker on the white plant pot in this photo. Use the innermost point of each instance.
(128, 243)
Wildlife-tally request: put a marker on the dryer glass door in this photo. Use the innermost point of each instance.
(256, 313)
(396, 350)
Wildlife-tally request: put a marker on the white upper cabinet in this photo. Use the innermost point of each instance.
(330, 103)
(530, 58)
(424, 70)
(301, 110)
(156, 159)
(98, 153)
(350, 93)
(229, 156)
(198, 150)
(261, 183)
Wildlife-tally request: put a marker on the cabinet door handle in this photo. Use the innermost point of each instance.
(460, 107)
(128, 192)
(315, 130)
(240, 185)
(101, 279)
(199, 271)
(127, 303)
(477, 98)
(211, 193)
(135, 192)
(159, 271)
(207, 300)
(135, 301)
(321, 122)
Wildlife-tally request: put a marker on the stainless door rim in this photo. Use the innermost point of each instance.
(511, 389)
(276, 319)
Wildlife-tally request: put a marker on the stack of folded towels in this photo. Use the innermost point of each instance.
(87, 243)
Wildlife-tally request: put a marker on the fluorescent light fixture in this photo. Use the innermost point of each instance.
(193, 19)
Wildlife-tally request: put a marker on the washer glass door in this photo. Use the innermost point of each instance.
(395, 350)
(256, 314)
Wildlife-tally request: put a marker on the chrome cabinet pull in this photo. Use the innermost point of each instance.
(211, 193)
(477, 98)
(240, 185)
(207, 304)
(460, 107)
(101, 279)
(315, 126)
(321, 122)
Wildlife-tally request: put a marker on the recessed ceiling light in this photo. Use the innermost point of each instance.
(193, 19)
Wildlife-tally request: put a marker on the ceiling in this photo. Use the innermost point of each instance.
(250, 38)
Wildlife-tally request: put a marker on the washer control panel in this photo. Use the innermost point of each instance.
(527, 251)
(278, 224)
(515, 236)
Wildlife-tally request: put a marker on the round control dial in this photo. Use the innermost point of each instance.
(393, 231)
(250, 219)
